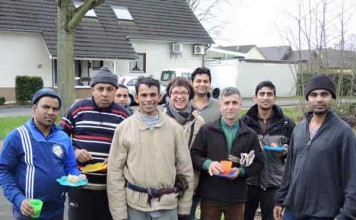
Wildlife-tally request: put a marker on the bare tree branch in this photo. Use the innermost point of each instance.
(209, 14)
(80, 12)
(68, 18)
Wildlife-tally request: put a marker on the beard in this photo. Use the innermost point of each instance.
(265, 108)
(319, 111)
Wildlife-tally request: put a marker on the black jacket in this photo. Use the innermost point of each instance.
(320, 175)
(211, 143)
(278, 132)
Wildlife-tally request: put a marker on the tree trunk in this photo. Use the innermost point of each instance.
(68, 19)
(65, 59)
(65, 68)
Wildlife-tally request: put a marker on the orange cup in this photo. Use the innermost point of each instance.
(226, 165)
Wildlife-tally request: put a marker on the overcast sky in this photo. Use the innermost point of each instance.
(265, 23)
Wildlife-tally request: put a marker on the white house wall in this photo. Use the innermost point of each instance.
(254, 53)
(245, 76)
(282, 76)
(223, 73)
(159, 57)
(23, 54)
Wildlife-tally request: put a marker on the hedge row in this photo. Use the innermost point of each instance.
(346, 83)
(25, 87)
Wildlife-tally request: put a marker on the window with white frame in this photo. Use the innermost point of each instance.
(90, 13)
(138, 65)
(122, 13)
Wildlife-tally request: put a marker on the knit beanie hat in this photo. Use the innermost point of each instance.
(104, 75)
(43, 93)
(320, 81)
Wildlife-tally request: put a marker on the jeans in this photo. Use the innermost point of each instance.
(134, 214)
(214, 211)
(288, 215)
(265, 198)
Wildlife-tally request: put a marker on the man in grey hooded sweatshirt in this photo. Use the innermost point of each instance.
(319, 181)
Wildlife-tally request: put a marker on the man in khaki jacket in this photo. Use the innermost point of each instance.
(147, 155)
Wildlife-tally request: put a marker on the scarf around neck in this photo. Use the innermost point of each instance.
(181, 116)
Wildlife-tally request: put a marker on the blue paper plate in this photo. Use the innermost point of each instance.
(64, 181)
(225, 175)
(278, 148)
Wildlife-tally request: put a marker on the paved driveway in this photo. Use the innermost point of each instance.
(5, 208)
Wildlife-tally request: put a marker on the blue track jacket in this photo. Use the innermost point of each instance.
(30, 163)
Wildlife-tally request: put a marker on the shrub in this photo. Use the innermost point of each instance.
(2, 100)
(25, 87)
(345, 83)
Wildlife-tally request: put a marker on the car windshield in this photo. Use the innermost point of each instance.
(187, 75)
(167, 75)
(132, 82)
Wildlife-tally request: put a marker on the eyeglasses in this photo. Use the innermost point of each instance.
(179, 93)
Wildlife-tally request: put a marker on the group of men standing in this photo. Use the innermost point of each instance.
(154, 157)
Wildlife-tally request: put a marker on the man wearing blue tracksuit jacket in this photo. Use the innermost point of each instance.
(33, 157)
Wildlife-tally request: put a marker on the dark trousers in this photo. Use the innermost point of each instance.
(195, 203)
(17, 216)
(265, 198)
(88, 205)
(214, 211)
(288, 215)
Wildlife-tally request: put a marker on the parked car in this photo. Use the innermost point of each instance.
(169, 74)
(130, 82)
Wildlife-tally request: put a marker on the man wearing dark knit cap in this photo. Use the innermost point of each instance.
(33, 156)
(91, 123)
(320, 176)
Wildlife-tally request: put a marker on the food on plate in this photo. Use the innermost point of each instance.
(73, 178)
(273, 145)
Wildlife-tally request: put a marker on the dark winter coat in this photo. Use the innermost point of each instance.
(211, 143)
(279, 132)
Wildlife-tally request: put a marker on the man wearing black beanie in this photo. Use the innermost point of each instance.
(320, 176)
(91, 123)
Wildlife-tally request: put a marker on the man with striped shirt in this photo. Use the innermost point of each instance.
(91, 123)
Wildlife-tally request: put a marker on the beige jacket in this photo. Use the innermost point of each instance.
(198, 122)
(147, 158)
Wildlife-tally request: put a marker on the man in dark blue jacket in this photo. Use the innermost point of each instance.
(226, 139)
(273, 128)
(33, 157)
(319, 181)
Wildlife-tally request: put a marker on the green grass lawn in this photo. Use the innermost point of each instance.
(9, 123)
(294, 113)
